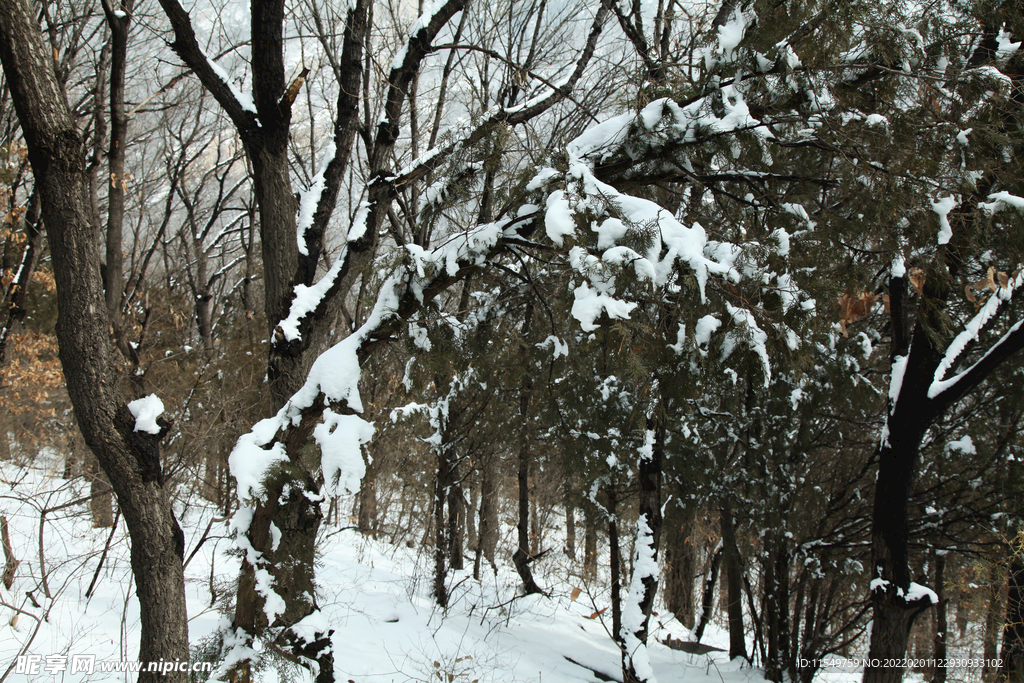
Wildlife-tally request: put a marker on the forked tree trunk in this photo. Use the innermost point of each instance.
(131, 459)
(708, 600)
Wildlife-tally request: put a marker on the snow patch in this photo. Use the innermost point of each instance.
(942, 207)
(146, 411)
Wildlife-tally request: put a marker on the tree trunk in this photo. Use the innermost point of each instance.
(939, 643)
(708, 601)
(456, 519)
(992, 614)
(367, 519)
(442, 481)
(679, 566)
(733, 584)
(776, 609)
(615, 560)
(131, 459)
(589, 544)
(488, 528)
(649, 473)
(522, 557)
(119, 23)
(101, 502)
(472, 540)
(570, 531)
(1012, 652)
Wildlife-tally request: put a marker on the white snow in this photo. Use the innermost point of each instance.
(704, 329)
(898, 267)
(310, 197)
(559, 347)
(558, 221)
(1007, 47)
(244, 99)
(972, 332)
(756, 338)
(645, 564)
(962, 445)
(1000, 201)
(589, 304)
(340, 438)
(146, 411)
(942, 207)
(899, 368)
(918, 592)
(542, 178)
(307, 298)
(677, 348)
(877, 120)
(730, 35)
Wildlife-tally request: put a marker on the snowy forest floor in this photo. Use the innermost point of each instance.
(376, 595)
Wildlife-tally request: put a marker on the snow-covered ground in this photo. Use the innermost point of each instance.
(376, 595)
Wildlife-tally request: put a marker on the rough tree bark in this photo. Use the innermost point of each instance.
(1012, 652)
(733, 583)
(679, 565)
(915, 358)
(130, 459)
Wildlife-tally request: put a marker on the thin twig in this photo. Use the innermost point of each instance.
(103, 555)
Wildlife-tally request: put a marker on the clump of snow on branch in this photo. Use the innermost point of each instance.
(757, 338)
(559, 347)
(1000, 201)
(146, 411)
(340, 438)
(963, 445)
(972, 332)
(244, 99)
(309, 198)
(307, 298)
(942, 207)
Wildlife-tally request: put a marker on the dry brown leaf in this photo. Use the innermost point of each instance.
(575, 594)
(917, 279)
